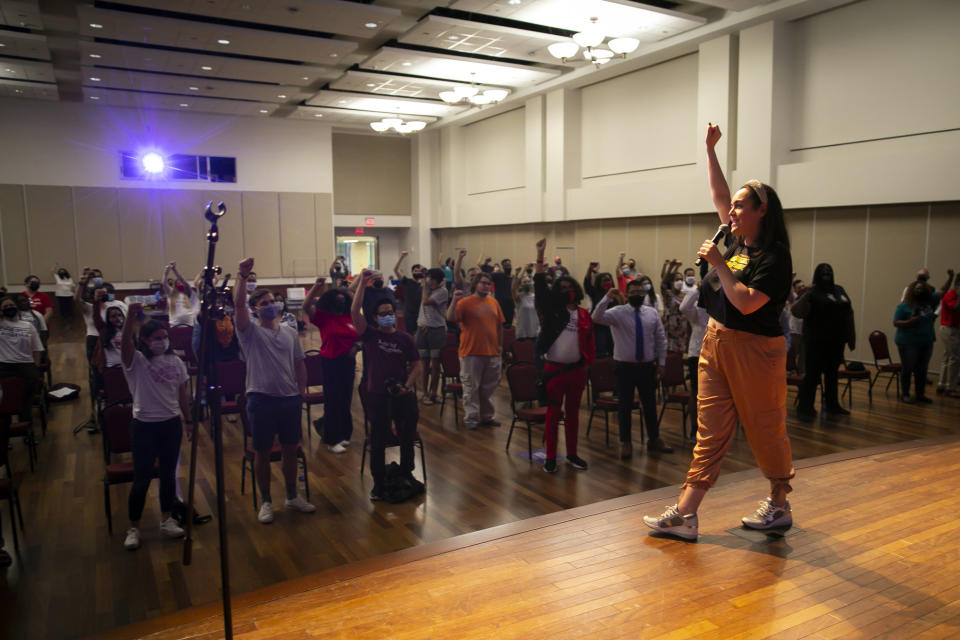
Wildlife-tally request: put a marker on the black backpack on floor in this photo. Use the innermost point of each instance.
(399, 486)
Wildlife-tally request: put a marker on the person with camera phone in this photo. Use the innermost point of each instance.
(276, 382)
(393, 366)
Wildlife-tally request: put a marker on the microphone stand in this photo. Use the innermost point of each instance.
(207, 381)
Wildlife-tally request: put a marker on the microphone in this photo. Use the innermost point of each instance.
(721, 230)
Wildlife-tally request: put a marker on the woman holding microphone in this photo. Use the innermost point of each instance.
(742, 366)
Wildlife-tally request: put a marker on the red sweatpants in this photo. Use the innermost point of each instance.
(564, 392)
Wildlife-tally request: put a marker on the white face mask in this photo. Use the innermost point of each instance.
(677, 284)
(691, 281)
(251, 286)
(159, 347)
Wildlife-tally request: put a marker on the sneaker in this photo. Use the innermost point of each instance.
(659, 446)
(266, 513)
(132, 541)
(907, 400)
(336, 448)
(550, 465)
(427, 401)
(577, 463)
(345, 444)
(769, 516)
(490, 423)
(376, 494)
(673, 522)
(170, 528)
(299, 504)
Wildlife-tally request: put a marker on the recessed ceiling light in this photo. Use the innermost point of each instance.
(513, 2)
(95, 79)
(371, 25)
(453, 37)
(406, 64)
(2, 44)
(263, 111)
(371, 84)
(318, 115)
(95, 55)
(194, 88)
(334, 55)
(9, 70)
(343, 102)
(206, 68)
(19, 90)
(281, 96)
(184, 104)
(94, 25)
(223, 42)
(306, 77)
(94, 97)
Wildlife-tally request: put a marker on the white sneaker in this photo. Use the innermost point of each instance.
(345, 443)
(170, 528)
(673, 522)
(132, 541)
(266, 513)
(299, 504)
(337, 448)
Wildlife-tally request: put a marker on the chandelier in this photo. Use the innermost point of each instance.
(398, 125)
(473, 96)
(590, 40)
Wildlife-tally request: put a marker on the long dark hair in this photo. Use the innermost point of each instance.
(911, 298)
(328, 300)
(110, 331)
(149, 328)
(653, 290)
(578, 290)
(773, 226)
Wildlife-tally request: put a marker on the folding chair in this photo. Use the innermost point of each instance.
(313, 362)
(603, 381)
(115, 424)
(11, 406)
(881, 351)
(392, 440)
(8, 489)
(276, 455)
(672, 378)
(450, 367)
(522, 381)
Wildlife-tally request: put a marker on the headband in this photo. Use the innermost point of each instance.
(757, 187)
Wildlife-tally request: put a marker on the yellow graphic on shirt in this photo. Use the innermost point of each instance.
(738, 262)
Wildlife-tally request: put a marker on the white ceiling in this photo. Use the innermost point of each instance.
(344, 62)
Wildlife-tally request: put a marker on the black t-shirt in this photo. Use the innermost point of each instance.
(766, 271)
(412, 296)
(501, 291)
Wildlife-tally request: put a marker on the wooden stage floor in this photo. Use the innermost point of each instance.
(873, 553)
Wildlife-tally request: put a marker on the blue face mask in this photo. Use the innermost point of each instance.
(270, 311)
(386, 322)
(111, 297)
(97, 281)
(647, 286)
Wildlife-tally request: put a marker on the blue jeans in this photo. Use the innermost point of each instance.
(915, 358)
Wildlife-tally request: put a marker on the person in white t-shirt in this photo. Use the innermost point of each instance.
(64, 290)
(109, 323)
(183, 305)
(158, 383)
(20, 351)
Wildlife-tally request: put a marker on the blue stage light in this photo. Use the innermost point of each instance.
(152, 163)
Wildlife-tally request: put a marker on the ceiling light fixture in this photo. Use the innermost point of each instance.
(94, 97)
(282, 97)
(94, 25)
(95, 55)
(95, 79)
(318, 115)
(471, 94)
(589, 40)
(398, 125)
(206, 68)
(223, 42)
(371, 25)
(184, 104)
(263, 111)
(194, 88)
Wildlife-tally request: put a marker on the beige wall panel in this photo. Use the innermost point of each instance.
(589, 243)
(51, 230)
(261, 231)
(184, 240)
(495, 157)
(942, 252)
(298, 235)
(702, 227)
(98, 231)
(16, 259)
(371, 175)
(800, 227)
(641, 245)
(673, 238)
(230, 245)
(895, 248)
(141, 234)
(612, 240)
(326, 243)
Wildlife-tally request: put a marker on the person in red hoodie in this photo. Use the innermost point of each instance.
(566, 341)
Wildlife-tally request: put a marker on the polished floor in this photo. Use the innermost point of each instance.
(71, 579)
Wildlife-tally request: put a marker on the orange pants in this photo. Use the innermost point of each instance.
(742, 376)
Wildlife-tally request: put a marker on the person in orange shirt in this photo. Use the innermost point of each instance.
(481, 340)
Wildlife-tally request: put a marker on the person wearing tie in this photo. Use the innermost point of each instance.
(640, 351)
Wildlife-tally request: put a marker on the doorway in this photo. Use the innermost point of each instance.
(361, 252)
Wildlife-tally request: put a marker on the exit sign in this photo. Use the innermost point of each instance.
(369, 222)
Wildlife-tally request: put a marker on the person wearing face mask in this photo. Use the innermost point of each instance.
(914, 319)
(566, 340)
(412, 292)
(39, 301)
(481, 345)
(109, 326)
(698, 318)
(674, 322)
(528, 324)
(503, 279)
(20, 351)
(640, 352)
(339, 272)
(378, 292)
(742, 367)
(798, 288)
(431, 335)
(827, 314)
(597, 285)
(557, 269)
(64, 290)
(157, 379)
(276, 382)
(689, 280)
(950, 334)
(394, 367)
(338, 359)
(625, 273)
(183, 304)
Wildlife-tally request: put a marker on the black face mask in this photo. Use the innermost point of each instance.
(340, 307)
(62, 274)
(922, 278)
(33, 286)
(336, 268)
(10, 312)
(635, 300)
(378, 283)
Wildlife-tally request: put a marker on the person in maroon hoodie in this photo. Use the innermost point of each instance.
(566, 342)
